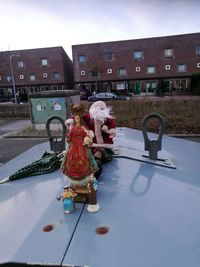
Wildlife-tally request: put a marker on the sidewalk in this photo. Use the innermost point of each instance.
(10, 146)
(11, 125)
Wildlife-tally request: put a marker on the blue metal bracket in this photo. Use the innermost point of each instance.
(132, 154)
(127, 147)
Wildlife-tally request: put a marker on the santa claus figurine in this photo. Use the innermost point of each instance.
(103, 124)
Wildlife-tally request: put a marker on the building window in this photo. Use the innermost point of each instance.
(151, 69)
(138, 55)
(20, 64)
(9, 78)
(198, 65)
(45, 75)
(150, 86)
(32, 77)
(167, 67)
(109, 56)
(82, 72)
(44, 62)
(21, 77)
(181, 68)
(56, 76)
(0, 78)
(82, 59)
(95, 73)
(137, 69)
(168, 52)
(198, 49)
(109, 71)
(122, 72)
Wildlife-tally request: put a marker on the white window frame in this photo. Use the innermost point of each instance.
(44, 62)
(45, 75)
(198, 65)
(167, 67)
(109, 71)
(151, 69)
(181, 68)
(137, 69)
(82, 72)
(21, 76)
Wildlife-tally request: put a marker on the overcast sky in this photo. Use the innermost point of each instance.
(29, 24)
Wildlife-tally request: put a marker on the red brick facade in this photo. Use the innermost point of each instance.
(35, 70)
(145, 64)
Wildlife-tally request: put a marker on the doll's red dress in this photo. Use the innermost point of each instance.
(79, 162)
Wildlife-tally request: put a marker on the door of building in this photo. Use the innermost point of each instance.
(137, 88)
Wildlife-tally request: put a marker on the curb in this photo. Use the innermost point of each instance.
(184, 135)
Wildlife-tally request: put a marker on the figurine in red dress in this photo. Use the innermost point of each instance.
(79, 164)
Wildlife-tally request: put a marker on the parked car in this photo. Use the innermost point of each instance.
(107, 96)
(123, 97)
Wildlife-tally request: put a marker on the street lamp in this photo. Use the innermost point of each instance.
(12, 75)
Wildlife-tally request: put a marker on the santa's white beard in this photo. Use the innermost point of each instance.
(100, 114)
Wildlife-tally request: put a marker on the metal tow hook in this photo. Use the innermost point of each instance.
(153, 146)
(57, 144)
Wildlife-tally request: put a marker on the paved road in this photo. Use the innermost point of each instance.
(11, 147)
(12, 125)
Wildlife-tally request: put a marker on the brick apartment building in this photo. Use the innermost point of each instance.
(34, 70)
(141, 66)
